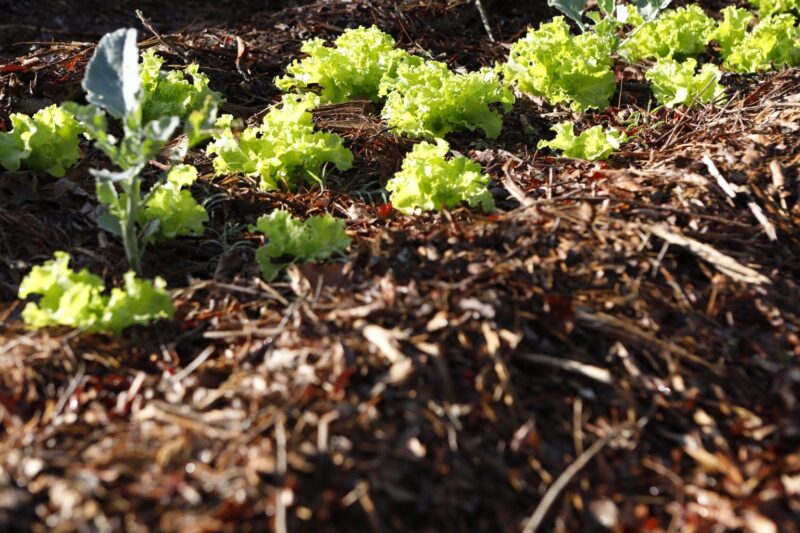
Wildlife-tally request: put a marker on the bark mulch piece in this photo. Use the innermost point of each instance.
(616, 348)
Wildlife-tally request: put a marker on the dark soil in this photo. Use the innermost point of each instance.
(628, 325)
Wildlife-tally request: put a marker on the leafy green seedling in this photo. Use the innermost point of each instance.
(353, 68)
(78, 300)
(290, 240)
(429, 181)
(767, 8)
(732, 29)
(283, 150)
(47, 142)
(591, 145)
(171, 93)
(675, 83)
(114, 88)
(563, 68)
(773, 43)
(681, 32)
(426, 99)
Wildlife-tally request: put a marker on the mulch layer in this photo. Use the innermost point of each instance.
(616, 348)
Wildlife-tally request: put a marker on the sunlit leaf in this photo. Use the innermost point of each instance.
(112, 79)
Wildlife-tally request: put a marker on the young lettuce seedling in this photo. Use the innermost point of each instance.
(114, 88)
(677, 83)
(592, 145)
(677, 34)
(767, 8)
(293, 241)
(564, 68)
(429, 181)
(772, 43)
(79, 299)
(48, 141)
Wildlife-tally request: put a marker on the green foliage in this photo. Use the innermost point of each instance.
(573, 9)
(732, 29)
(140, 302)
(591, 145)
(282, 150)
(291, 240)
(165, 212)
(352, 69)
(773, 43)
(176, 211)
(681, 33)
(47, 141)
(426, 99)
(77, 299)
(68, 298)
(115, 87)
(768, 8)
(650, 9)
(576, 9)
(428, 181)
(675, 83)
(112, 81)
(563, 68)
(171, 93)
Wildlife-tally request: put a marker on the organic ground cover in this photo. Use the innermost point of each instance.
(614, 346)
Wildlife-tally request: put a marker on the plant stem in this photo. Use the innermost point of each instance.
(130, 239)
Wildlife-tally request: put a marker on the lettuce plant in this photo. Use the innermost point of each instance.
(768, 8)
(352, 69)
(78, 300)
(176, 210)
(773, 43)
(283, 150)
(564, 68)
(47, 141)
(426, 99)
(732, 29)
(429, 181)
(681, 33)
(591, 145)
(290, 240)
(114, 87)
(168, 210)
(675, 83)
(170, 93)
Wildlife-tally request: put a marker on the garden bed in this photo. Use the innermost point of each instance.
(634, 323)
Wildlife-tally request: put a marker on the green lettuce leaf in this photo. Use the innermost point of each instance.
(283, 150)
(677, 33)
(428, 181)
(291, 240)
(426, 99)
(77, 299)
(176, 210)
(676, 83)
(140, 302)
(352, 69)
(563, 68)
(591, 145)
(773, 43)
(767, 8)
(171, 93)
(732, 29)
(48, 141)
(68, 298)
